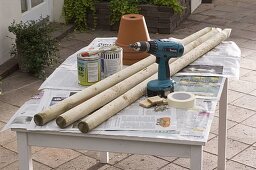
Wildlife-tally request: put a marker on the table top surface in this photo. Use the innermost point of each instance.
(184, 131)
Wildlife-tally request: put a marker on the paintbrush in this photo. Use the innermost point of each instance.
(100, 50)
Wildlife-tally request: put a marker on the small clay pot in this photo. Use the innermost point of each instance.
(132, 29)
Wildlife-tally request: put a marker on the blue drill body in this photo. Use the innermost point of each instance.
(164, 50)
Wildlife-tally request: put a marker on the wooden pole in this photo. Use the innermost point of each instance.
(52, 112)
(135, 93)
(115, 91)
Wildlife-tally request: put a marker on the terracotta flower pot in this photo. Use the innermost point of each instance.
(132, 28)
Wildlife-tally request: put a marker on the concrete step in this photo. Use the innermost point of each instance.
(61, 30)
(8, 68)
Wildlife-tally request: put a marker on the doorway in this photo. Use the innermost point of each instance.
(34, 9)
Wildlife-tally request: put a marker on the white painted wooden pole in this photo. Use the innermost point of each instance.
(52, 112)
(115, 91)
(135, 93)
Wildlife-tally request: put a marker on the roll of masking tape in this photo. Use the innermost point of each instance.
(183, 100)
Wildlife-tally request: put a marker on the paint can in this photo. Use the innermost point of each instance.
(88, 69)
(111, 62)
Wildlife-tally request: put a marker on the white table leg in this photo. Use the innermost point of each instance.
(24, 150)
(104, 157)
(196, 157)
(223, 110)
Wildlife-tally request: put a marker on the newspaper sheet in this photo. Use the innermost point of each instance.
(201, 86)
(182, 123)
(50, 98)
(135, 117)
(22, 118)
(193, 124)
(223, 60)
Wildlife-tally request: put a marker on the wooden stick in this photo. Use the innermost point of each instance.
(52, 112)
(135, 93)
(115, 91)
(104, 97)
(196, 35)
(201, 39)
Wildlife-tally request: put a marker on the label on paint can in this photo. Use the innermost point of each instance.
(112, 62)
(88, 69)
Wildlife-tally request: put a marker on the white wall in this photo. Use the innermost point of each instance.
(57, 11)
(195, 4)
(9, 10)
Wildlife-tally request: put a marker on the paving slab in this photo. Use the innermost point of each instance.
(20, 96)
(244, 71)
(2, 124)
(251, 76)
(238, 114)
(234, 95)
(248, 63)
(6, 111)
(7, 157)
(233, 147)
(80, 162)
(36, 166)
(242, 133)
(244, 34)
(238, 25)
(198, 17)
(253, 93)
(247, 157)
(54, 157)
(113, 157)
(251, 56)
(108, 167)
(250, 44)
(223, 15)
(64, 53)
(89, 35)
(173, 167)
(249, 19)
(232, 165)
(251, 27)
(141, 162)
(251, 121)
(239, 42)
(17, 80)
(246, 101)
(242, 86)
(7, 136)
(215, 125)
(227, 8)
(167, 158)
(245, 51)
(209, 162)
(13, 147)
(211, 136)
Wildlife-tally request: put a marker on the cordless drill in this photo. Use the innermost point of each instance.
(164, 50)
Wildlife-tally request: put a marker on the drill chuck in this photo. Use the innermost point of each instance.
(142, 46)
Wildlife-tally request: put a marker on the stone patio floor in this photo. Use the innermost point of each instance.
(241, 145)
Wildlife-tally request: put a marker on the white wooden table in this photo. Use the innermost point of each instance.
(125, 144)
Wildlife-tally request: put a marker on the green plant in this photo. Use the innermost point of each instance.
(122, 7)
(33, 46)
(77, 10)
(173, 4)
